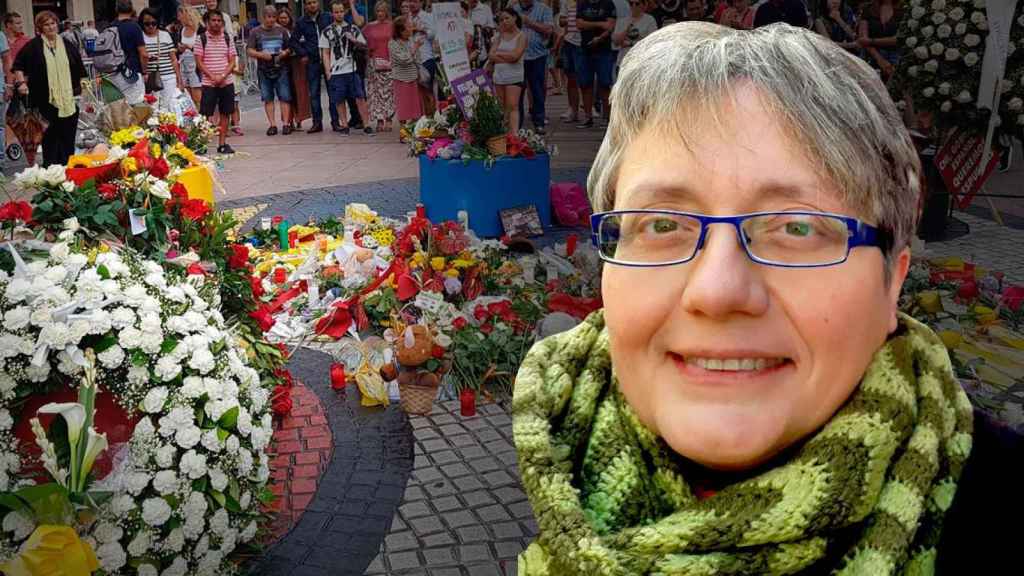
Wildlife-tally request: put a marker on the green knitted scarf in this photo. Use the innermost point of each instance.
(864, 495)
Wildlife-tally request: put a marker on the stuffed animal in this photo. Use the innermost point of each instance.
(415, 346)
(569, 200)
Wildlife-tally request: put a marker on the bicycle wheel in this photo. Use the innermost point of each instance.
(14, 152)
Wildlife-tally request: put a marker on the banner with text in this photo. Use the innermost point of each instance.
(959, 161)
(451, 38)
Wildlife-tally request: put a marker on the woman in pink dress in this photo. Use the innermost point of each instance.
(404, 72)
(382, 97)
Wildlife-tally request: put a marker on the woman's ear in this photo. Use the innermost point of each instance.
(898, 274)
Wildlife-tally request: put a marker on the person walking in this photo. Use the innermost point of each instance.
(538, 23)
(189, 19)
(163, 74)
(506, 63)
(215, 58)
(402, 50)
(338, 43)
(268, 45)
(123, 68)
(382, 97)
(49, 71)
(307, 47)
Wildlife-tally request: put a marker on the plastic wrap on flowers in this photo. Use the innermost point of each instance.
(187, 489)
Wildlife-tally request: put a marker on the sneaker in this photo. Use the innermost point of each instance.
(272, 131)
(337, 128)
(358, 126)
(369, 131)
(225, 149)
(287, 129)
(569, 116)
(539, 130)
(1005, 156)
(316, 128)
(588, 123)
(343, 131)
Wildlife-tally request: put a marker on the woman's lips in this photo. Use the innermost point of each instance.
(725, 371)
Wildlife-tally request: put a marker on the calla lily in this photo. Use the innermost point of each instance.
(74, 415)
(95, 444)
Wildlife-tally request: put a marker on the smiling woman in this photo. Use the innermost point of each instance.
(750, 401)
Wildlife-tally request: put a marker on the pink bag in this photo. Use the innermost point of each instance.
(570, 204)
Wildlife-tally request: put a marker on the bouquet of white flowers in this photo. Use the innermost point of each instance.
(187, 487)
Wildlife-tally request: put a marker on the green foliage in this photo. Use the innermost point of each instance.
(488, 119)
(495, 357)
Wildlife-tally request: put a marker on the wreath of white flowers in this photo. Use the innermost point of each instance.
(187, 485)
(943, 45)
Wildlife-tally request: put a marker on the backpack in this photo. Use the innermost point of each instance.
(202, 38)
(108, 56)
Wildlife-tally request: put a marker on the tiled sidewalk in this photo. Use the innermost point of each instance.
(464, 512)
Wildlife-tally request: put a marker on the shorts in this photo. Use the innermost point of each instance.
(569, 57)
(279, 86)
(342, 87)
(600, 63)
(217, 99)
(431, 66)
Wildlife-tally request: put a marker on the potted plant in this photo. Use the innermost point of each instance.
(487, 127)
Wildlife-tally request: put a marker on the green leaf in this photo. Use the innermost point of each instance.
(48, 502)
(139, 358)
(218, 497)
(222, 434)
(169, 344)
(266, 496)
(232, 504)
(201, 413)
(233, 490)
(45, 205)
(229, 419)
(200, 484)
(103, 272)
(105, 343)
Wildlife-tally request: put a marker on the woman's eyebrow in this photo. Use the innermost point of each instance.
(648, 192)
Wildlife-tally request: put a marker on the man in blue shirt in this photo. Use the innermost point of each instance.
(538, 22)
(306, 39)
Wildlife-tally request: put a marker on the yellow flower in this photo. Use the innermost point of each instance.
(53, 551)
(418, 259)
(950, 338)
(451, 273)
(129, 165)
(155, 150)
(930, 301)
(437, 263)
(104, 248)
(92, 255)
(462, 263)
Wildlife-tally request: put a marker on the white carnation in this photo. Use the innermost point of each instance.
(946, 106)
(156, 511)
(211, 442)
(978, 18)
(155, 400)
(188, 436)
(219, 522)
(177, 568)
(944, 88)
(938, 4)
(140, 544)
(18, 524)
(111, 357)
(972, 40)
(130, 338)
(218, 479)
(964, 97)
(971, 58)
(232, 444)
(1015, 104)
(144, 429)
(107, 532)
(165, 455)
(17, 318)
(138, 375)
(111, 557)
(203, 361)
(249, 533)
(174, 541)
(956, 14)
(193, 465)
(167, 368)
(931, 65)
(59, 251)
(960, 29)
(137, 482)
(943, 31)
(148, 570)
(928, 31)
(952, 55)
(123, 504)
(911, 41)
(937, 48)
(938, 17)
(928, 92)
(917, 12)
(166, 482)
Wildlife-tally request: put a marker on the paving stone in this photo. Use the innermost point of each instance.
(498, 478)
(421, 461)
(473, 451)
(435, 445)
(499, 446)
(487, 570)
(397, 525)
(475, 499)
(455, 470)
(428, 475)
(530, 527)
(403, 560)
(492, 514)
(445, 572)
(492, 409)
(476, 423)
(426, 525)
(471, 534)
(459, 518)
(396, 542)
(500, 420)
(508, 549)
(415, 510)
(440, 539)
(424, 434)
(376, 567)
(467, 483)
(485, 465)
(438, 556)
(445, 457)
(451, 430)
(488, 435)
(463, 440)
(440, 488)
(521, 510)
(446, 504)
(419, 422)
(509, 458)
(474, 553)
(442, 419)
(509, 494)
(504, 530)
(413, 493)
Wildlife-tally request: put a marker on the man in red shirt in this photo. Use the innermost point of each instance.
(215, 58)
(15, 31)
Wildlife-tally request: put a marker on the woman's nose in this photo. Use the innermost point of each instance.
(721, 280)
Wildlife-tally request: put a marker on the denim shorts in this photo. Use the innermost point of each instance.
(279, 86)
(342, 87)
(570, 56)
(590, 63)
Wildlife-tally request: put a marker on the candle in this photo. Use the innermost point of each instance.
(570, 245)
(467, 402)
(293, 238)
(280, 275)
(421, 210)
(338, 376)
(282, 234)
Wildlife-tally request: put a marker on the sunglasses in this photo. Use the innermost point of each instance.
(149, 23)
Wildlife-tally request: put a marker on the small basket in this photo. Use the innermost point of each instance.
(497, 145)
(416, 399)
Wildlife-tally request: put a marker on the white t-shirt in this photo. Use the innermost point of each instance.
(334, 38)
(425, 22)
(622, 12)
(482, 16)
(637, 31)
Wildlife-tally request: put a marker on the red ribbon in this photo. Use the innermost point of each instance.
(578, 307)
(284, 297)
(337, 322)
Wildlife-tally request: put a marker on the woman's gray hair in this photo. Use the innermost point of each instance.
(833, 105)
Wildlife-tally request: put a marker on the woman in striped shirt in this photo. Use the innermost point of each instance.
(163, 59)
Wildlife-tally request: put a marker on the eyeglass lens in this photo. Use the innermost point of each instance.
(782, 238)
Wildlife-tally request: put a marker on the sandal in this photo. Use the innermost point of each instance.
(287, 129)
(237, 131)
(272, 131)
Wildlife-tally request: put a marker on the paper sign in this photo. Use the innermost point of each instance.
(451, 37)
(467, 88)
(137, 221)
(959, 161)
(999, 14)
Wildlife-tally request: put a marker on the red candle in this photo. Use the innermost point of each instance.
(275, 221)
(421, 211)
(293, 238)
(467, 402)
(570, 245)
(280, 275)
(337, 376)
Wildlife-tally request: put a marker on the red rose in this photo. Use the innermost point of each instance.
(195, 209)
(107, 191)
(282, 406)
(257, 286)
(486, 328)
(480, 313)
(437, 352)
(16, 210)
(160, 169)
(263, 318)
(239, 257)
(194, 269)
(285, 376)
(459, 323)
(179, 192)
(498, 308)
(150, 99)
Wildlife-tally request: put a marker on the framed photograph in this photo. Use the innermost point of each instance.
(522, 222)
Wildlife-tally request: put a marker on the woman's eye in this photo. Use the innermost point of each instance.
(664, 226)
(800, 229)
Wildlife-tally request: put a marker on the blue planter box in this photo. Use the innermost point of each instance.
(448, 186)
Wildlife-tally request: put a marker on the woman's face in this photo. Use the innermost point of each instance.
(149, 26)
(284, 19)
(382, 13)
(406, 32)
(508, 22)
(50, 28)
(834, 5)
(824, 324)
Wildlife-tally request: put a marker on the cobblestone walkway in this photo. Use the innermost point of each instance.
(463, 511)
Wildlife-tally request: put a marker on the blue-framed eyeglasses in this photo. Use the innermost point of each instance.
(649, 238)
